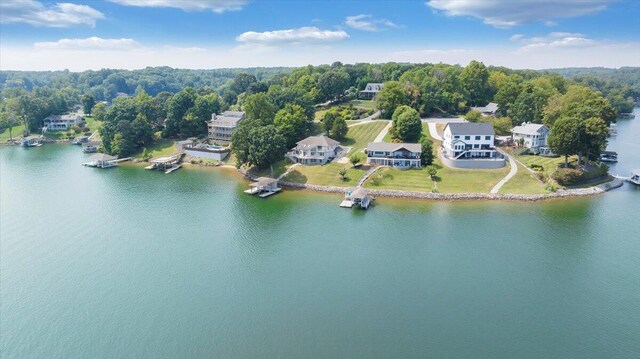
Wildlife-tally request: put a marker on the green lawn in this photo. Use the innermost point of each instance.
(524, 182)
(365, 104)
(326, 175)
(159, 148)
(278, 169)
(550, 164)
(16, 132)
(359, 136)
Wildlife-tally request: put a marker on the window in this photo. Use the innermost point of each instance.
(476, 145)
(488, 138)
(456, 137)
(467, 137)
(477, 138)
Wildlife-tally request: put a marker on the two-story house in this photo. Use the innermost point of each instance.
(222, 126)
(470, 145)
(533, 135)
(61, 122)
(370, 91)
(314, 150)
(403, 155)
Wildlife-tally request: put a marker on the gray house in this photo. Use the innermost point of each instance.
(401, 155)
(370, 91)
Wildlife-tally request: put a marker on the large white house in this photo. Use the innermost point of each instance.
(61, 122)
(534, 135)
(221, 127)
(371, 90)
(314, 150)
(403, 155)
(470, 145)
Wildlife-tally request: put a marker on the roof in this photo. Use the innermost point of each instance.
(391, 147)
(103, 157)
(528, 128)
(315, 141)
(68, 117)
(470, 128)
(358, 193)
(263, 181)
(90, 143)
(222, 120)
(373, 87)
(491, 107)
(239, 114)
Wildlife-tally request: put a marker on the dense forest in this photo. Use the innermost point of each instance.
(136, 107)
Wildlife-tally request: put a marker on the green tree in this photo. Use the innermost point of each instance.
(563, 138)
(332, 84)
(475, 82)
(529, 105)
(593, 140)
(88, 101)
(99, 111)
(355, 159)
(339, 128)
(242, 82)
(507, 95)
(432, 171)
(292, 123)
(328, 118)
(258, 107)
(407, 126)
(581, 102)
(177, 107)
(8, 121)
(426, 156)
(473, 116)
(257, 145)
(343, 173)
(390, 97)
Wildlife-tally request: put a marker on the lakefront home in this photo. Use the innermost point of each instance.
(470, 145)
(314, 150)
(222, 126)
(61, 122)
(534, 135)
(370, 91)
(402, 155)
(488, 110)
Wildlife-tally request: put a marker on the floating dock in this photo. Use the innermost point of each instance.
(263, 187)
(166, 164)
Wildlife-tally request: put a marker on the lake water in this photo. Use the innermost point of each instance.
(132, 263)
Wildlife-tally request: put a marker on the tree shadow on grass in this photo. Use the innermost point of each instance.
(296, 177)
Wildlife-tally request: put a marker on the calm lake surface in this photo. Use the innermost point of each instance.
(131, 263)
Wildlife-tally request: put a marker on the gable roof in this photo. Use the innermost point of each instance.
(491, 107)
(357, 193)
(239, 114)
(263, 181)
(528, 128)
(103, 157)
(315, 141)
(373, 87)
(392, 147)
(470, 128)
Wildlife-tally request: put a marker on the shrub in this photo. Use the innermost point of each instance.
(537, 167)
(473, 116)
(550, 187)
(568, 176)
(598, 170)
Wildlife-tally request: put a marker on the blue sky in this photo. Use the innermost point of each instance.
(79, 35)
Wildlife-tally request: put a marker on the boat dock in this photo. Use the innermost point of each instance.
(166, 164)
(102, 160)
(357, 197)
(263, 187)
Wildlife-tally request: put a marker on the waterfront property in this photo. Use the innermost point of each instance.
(314, 150)
(263, 187)
(90, 147)
(166, 164)
(488, 110)
(370, 91)
(102, 160)
(356, 197)
(31, 141)
(221, 127)
(470, 145)
(203, 150)
(533, 135)
(401, 155)
(61, 122)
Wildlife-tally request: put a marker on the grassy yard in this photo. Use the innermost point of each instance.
(278, 169)
(524, 182)
(159, 148)
(549, 164)
(359, 136)
(326, 175)
(16, 132)
(365, 104)
(425, 134)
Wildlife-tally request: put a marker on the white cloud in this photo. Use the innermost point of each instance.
(217, 6)
(368, 23)
(555, 40)
(91, 43)
(303, 35)
(505, 14)
(59, 15)
(516, 37)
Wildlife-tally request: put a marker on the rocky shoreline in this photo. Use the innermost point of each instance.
(567, 193)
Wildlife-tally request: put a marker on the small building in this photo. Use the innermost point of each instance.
(402, 155)
(470, 145)
(263, 187)
(61, 122)
(356, 197)
(102, 160)
(488, 110)
(203, 150)
(90, 147)
(371, 90)
(31, 141)
(222, 126)
(534, 135)
(314, 150)
(166, 164)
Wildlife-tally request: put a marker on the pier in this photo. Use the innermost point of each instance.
(356, 197)
(166, 164)
(263, 187)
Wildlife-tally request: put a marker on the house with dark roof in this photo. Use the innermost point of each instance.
(401, 155)
(488, 110)
(370, 91)
(222, 126)
(470, 145)
(314, 150)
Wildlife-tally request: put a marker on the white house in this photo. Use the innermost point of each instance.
(61, 122)
(470, 145)
(371, 90)
(403, 155)
(314, 150)
(221, 127)
(534, 135)
(488, 110)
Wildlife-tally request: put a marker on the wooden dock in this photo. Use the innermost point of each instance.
(166, 164)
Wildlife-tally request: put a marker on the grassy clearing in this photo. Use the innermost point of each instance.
(159, 148)
(16, 132)
(524, 182)
(326, 175)
(549, 164)
(365, 104)
(278, 169)
(359, 136)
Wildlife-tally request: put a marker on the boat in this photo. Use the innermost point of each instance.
(80, 140)
(608, 156)
(626, 115)
(31, 141)
(635, 177)
(90, 147)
